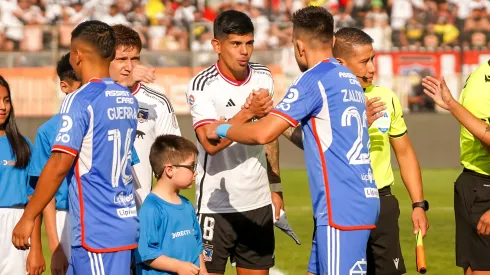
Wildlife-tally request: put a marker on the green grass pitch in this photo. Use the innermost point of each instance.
(439, 245)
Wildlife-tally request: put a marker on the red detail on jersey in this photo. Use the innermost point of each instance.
(231, 81)
(327, 189)
(203, 122)
(82, 221)
(65, 149)
(95, 79)
(136, 89)
(287, 118)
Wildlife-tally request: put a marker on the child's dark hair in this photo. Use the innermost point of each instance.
(168, 150)
(20, 148)
(232, 22)
(64, 70)
(99, 35)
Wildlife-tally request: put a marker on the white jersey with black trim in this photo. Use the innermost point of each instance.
(156, 117)
(234, 179)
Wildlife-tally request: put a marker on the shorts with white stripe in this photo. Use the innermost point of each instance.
(84, 262)
(338, 252)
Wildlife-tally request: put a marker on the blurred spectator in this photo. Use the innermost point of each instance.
(378, 14)
(343, 20)
(184, 15)
(115, 17)
(477, 27)
(261, 24)
(31, 25)
(412, 34)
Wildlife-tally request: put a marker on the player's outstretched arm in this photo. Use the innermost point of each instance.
(35, 260)
(261, 105)
(274, 175)
(59, 262)
(56, 169)
(439, 92)
(412, 178)
(260, 132)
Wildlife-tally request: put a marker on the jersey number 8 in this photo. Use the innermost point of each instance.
(207, 228)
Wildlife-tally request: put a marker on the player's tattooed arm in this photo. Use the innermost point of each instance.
(274, 175)
(272, 156)
(295, 135)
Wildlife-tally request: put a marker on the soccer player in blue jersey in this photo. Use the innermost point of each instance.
(170, 239)
(329, 102)
(15, 155)
(93, 147)
(55, 214)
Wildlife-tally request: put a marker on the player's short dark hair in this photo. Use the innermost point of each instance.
(315, 21)
(232, 22)
(64, 70)
(170, 149)
(346, 39)
(99, 35)
(127, 37)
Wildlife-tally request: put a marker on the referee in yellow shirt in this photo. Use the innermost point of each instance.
(472, 188)
(354, 49)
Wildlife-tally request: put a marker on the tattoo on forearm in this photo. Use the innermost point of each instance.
(295, 135)
(272, 157)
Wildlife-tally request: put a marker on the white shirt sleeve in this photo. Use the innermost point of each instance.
(201, 105)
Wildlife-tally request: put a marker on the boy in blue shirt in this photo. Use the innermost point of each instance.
(170, 239)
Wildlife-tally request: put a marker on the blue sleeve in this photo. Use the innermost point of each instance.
(151, 231)
(298, 103)
(41, 152)
(30, 180)
(75, 116)
(134, 157)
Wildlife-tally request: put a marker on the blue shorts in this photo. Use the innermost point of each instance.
(337, 252)
(84, 262)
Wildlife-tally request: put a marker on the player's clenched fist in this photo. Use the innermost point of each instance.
(187, 268)
(259, 103)
(22, 232)
(139, 73)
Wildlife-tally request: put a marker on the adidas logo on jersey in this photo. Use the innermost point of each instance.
(230, 103)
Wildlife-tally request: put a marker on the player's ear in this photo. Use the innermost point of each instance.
(64, 86)
(169, 171)
(340, 60)
(300, 45)
(216, 45)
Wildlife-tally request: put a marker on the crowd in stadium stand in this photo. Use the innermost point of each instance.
(179, 25)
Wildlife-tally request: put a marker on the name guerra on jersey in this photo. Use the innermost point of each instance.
(124, 112)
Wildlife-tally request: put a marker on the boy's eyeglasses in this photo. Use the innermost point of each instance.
(190, 167)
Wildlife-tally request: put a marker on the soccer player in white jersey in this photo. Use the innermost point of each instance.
(156, 115)
(232, 185)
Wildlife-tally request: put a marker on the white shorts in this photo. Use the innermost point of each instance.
(63, 230)
(12, 261)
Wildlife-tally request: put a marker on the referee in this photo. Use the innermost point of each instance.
(472, 188)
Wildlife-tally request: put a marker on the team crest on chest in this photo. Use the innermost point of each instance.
(143, 115)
